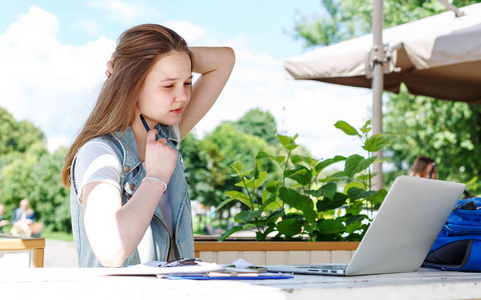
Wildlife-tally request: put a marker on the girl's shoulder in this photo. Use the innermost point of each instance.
(97, 145)
(95, 148)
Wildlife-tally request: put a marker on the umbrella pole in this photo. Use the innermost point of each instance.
(377, 84)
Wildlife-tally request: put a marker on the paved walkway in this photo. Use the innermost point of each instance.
(59, 254)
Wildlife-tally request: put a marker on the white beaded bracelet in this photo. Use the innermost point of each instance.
(156, 179)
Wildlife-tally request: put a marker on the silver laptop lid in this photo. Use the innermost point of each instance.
(407, 223)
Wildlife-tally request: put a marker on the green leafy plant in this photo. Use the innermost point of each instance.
(304, 203)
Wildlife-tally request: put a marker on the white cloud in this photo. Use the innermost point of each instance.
(54, 85)
(190, 32)
(122, 11)
(45, 81)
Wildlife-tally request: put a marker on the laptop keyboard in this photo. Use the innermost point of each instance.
(325, 267)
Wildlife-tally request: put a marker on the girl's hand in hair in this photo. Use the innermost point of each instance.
(110, 66)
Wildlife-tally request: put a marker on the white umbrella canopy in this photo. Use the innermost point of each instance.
(438, 56)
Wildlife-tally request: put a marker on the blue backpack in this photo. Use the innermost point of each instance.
(458, 246)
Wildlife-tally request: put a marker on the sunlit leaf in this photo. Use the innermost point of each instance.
(375, 143)
(287, 142)
(327, 190)
(366, 128)
(356, 163)
(300, 174)
(327, 162)
(235, 195)
(346, 128)
(237, 169)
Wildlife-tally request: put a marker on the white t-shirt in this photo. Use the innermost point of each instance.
(97, 162)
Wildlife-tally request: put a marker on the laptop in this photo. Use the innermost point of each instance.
(402, 233)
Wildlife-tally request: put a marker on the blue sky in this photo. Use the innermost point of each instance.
(263, 21)
(53, 55)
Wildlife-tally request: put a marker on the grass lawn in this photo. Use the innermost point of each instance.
(57, 235)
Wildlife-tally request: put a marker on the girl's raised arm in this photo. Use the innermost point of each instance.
(215, 65)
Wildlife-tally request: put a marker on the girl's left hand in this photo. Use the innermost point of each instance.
(160, 158)
(110, 66)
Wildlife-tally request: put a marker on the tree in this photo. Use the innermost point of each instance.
(16, 177)
(259, 123)
(52, 199)
(447, 131)
(17, 137)
(223, 146)
(207, 161)
(36, 175)
(28, 170)
(196, 168)
(346, 19)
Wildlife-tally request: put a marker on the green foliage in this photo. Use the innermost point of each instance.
(207, 161)
(28, 170)
(449, 132)
(37, 177)
(17, 137)
(258, 123)
(196, 168)
(51, 197)
(346, 19)
(302, 203)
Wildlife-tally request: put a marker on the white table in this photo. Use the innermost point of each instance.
(89, 284)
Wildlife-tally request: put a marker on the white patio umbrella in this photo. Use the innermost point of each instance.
(438, 56)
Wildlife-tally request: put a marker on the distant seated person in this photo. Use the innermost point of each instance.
(3, 222)
(22, 218)
(24, 212)
(426, 167)
(423, 167)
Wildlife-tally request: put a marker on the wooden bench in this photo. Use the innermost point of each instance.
(18, 251)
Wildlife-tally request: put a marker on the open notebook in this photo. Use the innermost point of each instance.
(399, 238)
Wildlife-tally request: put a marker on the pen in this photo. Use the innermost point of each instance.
(145, 123)
(180, 262)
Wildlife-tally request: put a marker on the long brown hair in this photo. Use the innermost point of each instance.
(420, 165)
(138, 49)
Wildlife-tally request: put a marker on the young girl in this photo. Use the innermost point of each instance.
(129, 200)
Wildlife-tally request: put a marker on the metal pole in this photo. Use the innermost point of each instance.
(377, 83)
(450, 6)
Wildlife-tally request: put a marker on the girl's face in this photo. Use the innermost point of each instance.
(166, 90)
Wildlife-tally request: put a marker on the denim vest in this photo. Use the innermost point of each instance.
(131, 176)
